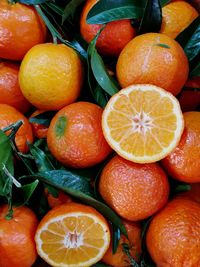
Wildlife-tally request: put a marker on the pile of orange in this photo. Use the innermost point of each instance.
(145, 140)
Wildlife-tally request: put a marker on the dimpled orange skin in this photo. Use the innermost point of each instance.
(39, 130)
(8, 116)
(135, 191)
(120, 259)
(176, 17)
(173, 238)
(51, 76)
(144, 61)
(10, 92)
(82, 144)
(113, 38)
(184, 162)
(17, 245)
(14, 43)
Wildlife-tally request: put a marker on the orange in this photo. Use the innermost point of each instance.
(56, 201)
(120, 259)
(51, 76)
(143, 123)
(39, 130)
(75, 136)
(176, 17)
(113, 38)
(153, 58)
(173, 238)
(8, 116)
(10, 92)
(183, 163)
(135, 191)
(72, 235)
(14, 43)
(17, 245)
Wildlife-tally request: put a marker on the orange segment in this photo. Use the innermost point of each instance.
(143, 123)
(72, 235)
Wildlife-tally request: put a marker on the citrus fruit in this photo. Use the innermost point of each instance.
(75, 136)
(8, 116)
(51, 76)
(39, 130)
(62, 198)
(176, 17)
(14, 43)
(72, 235)
(153, 58)
(120, 259)
(17, 245)
(135, 191)
(10, 92)
(183, 163)
(113, 38)
(143, 123)
(173, 237)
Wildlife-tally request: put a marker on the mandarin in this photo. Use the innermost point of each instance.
(113, 38)
(183, 163)
(135, 191)
(17, 245)
(39, 130)
(173, 237)
(75, 136)
(153, 58)
(8, 116)
(21, 28)
(51, 76)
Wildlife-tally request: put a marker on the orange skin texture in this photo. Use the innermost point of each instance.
(143, 61)
(39, 130)
(57, 201)
(135, 191)
(51, 76)
(8, 116)
(183, 163)
(114, 36)
(17, 246)
(14, 43)
(173, 237)
(176, 17)
(120, 259)
(82, 143)
(10, 92)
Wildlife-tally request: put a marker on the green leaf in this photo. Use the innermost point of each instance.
(116, 234)
(164, 2)
(152, 17)
(109, 10)
(70, 9)
(196, 71)
(189, 39)
(100, 96)
(32, 2)
(28, 190)
(126, 250)
(182, 188)
(163, 45)
(57, 9)
(43, 118)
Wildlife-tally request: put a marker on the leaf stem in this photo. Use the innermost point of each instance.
(13, 126)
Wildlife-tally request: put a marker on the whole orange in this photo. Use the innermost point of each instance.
(173, 237)
(10, 92)
(8, 116)
(17, 245)
(20, 28)
(51, 76)
(39, 130)
(176, 17)
(183, 163)
(135, 191)
(113, 38)
(120, 259)
(75, 136)
(153, 58)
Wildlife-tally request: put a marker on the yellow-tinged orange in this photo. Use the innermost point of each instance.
(51, 76)
(176, 17)
(72, 235)
(153, 58)
(143, 123)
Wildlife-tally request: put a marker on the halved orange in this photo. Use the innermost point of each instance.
(72, 235)
(143, 123)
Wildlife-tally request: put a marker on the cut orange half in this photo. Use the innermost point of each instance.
(143, 123)
(72, 235)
